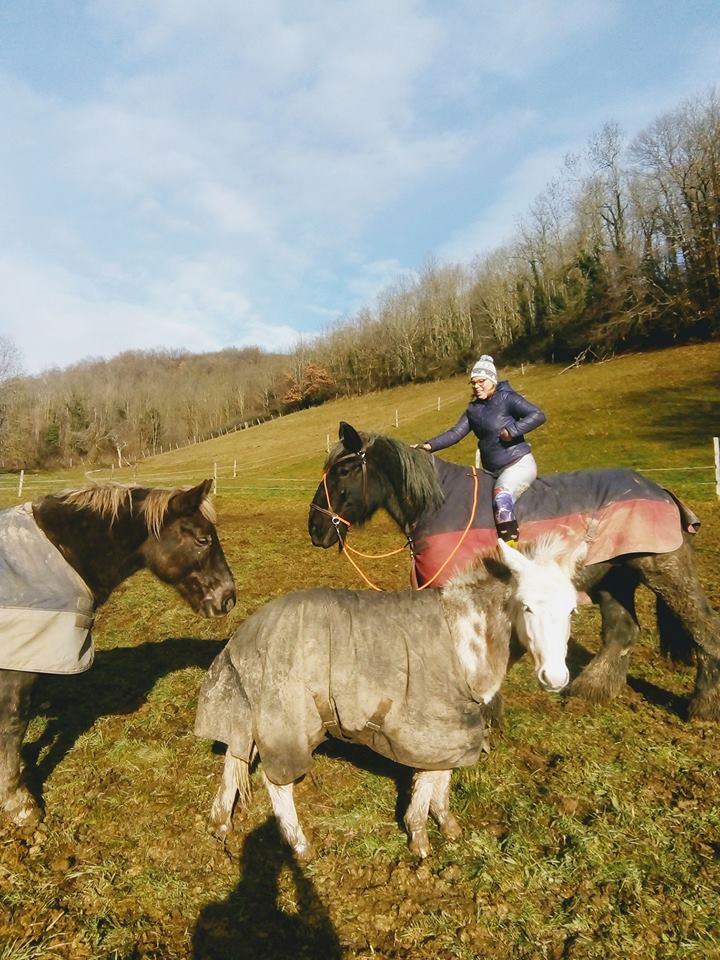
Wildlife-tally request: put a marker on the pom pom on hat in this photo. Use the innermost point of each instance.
(484, 369)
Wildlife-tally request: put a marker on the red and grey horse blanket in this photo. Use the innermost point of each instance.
(615, 511)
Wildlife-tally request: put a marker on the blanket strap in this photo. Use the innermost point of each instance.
(331, 721)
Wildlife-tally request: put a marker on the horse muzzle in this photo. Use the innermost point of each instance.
(217, 604)
(553, 681)
(324, 532)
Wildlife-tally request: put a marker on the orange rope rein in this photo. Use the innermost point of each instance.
(462, 538)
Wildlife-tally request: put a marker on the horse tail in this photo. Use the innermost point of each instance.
(244, 788)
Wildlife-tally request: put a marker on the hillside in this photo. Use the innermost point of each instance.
(653, 411)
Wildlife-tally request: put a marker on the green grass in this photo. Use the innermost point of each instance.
(589, 831)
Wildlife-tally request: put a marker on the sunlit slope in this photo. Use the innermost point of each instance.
(653, 411)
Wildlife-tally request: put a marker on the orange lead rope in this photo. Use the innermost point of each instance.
(348, 550)
(465, 532)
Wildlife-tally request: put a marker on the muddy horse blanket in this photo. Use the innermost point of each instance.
(378, 669)
(616, 511)
(46, 609)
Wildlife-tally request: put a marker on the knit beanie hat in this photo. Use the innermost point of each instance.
(484, 369)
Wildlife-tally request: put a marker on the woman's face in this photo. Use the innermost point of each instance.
(482, 388)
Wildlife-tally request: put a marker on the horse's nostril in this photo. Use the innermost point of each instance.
(228, 603)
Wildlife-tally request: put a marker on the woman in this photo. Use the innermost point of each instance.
(499, 417)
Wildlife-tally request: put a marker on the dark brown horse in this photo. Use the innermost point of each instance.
(648, 543)
(61, 557)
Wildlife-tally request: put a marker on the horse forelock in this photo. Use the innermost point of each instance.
(157, 502)
(109, 500)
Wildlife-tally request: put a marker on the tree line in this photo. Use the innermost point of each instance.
(620, 251)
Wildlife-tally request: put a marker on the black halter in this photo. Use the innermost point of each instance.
(328, 511)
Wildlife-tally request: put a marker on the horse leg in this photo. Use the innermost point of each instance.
(604, 677)
(424, 783)
(16, 801)
(672, 577)
(283, 804)
(440, 806)
(235, 782)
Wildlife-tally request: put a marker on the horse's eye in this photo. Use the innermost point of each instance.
(203, 541)
(526, 608)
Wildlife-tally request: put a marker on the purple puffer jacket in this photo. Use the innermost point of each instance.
(486, 418)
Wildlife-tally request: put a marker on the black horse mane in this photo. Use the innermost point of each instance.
(410, 472)
(109, 500)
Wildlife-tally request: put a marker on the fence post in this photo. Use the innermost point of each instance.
(716, 448)
(397, 421)
(20, 484)
(234, 469)
(214, 489)
(477, 459)
(522, 369)
(438, 403)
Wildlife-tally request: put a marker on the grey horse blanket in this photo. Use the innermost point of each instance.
(46, 609)
(378, 669)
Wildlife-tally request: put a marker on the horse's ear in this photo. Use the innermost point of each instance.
(350, 438)
(571, 562)
(186, 502)
(516, 562)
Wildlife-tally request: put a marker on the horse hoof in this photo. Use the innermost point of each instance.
(450, 828)
(596, 684)
(704, 708)
(220, 831)
(22, 810)
(420, 844)
(304, 852)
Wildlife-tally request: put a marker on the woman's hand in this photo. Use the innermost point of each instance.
(421, 446)
(504, 435)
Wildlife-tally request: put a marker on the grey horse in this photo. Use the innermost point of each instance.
(410, 674)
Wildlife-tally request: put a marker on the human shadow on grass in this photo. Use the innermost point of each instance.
(118, 683)
(250, 924)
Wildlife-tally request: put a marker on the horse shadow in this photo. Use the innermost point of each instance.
(118, 683)
(250, 925)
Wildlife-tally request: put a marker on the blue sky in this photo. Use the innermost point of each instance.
(196, 175)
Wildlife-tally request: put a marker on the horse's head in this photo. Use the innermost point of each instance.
(348, 493)
(183, 550)
(543, 600)
(363, 473)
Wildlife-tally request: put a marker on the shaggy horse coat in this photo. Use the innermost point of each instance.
(410, 675)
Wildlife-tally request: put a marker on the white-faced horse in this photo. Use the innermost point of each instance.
(411, 675)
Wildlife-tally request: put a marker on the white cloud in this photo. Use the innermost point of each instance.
(55, 317)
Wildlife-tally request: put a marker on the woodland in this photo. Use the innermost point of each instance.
(621, 252)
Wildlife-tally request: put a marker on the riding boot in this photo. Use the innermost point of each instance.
(507, 530)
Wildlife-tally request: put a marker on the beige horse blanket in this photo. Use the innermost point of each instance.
(46, 609)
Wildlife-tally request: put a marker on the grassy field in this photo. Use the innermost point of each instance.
(590, 832)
